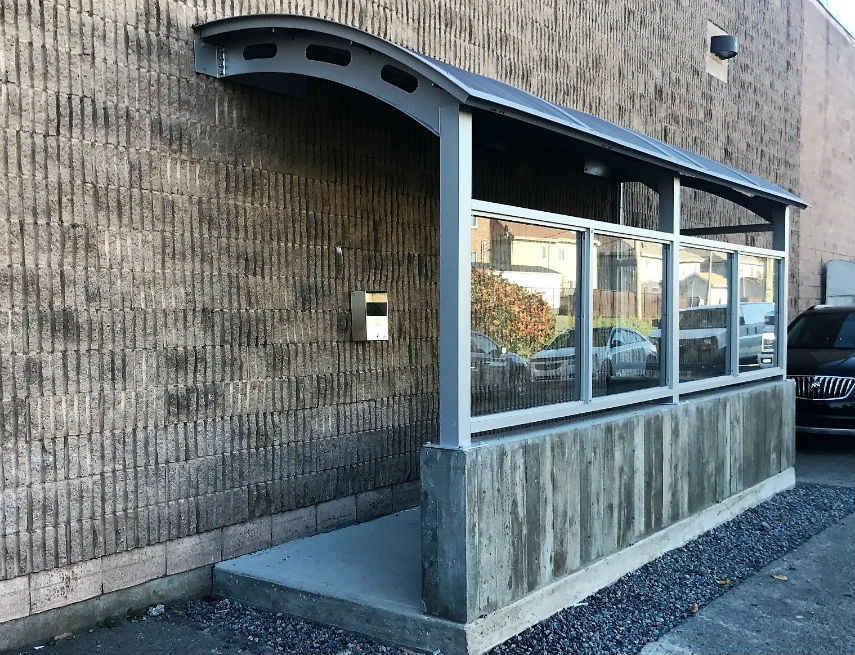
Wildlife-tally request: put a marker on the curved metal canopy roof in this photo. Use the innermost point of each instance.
(260, 49)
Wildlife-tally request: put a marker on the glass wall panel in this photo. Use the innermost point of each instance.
(757, 312)
(704, 282)
(627, 280)
(524, 301)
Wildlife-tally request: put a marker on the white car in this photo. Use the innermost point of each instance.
(557, 361)
(618, 352)
(493, 366)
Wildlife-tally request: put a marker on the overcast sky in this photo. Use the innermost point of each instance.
(844, 11)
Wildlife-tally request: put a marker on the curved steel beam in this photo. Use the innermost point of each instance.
(258, 50)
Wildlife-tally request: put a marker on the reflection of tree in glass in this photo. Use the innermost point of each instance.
(517, 319)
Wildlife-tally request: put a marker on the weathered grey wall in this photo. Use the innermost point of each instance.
(514, 514)
(827, 155)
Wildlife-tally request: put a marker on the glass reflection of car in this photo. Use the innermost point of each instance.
(821, 361)
(703, 336)
(557, 360)
(622, 352)
(617, 352)
(494, 367)
(757, 334)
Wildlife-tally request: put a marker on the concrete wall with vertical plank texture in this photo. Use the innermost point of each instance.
(515, 513)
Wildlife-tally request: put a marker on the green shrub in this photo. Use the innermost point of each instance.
(516, 318)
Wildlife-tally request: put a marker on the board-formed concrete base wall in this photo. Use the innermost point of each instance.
(519, 512)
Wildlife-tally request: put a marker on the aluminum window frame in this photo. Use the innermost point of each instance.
(671, 388)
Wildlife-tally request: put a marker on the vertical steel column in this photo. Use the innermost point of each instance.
(733, 314)
(585, 324)
(455, 226)
(781, 241)
(669, 221)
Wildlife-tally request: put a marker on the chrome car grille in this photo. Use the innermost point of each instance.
(822, 387)
(547, 365)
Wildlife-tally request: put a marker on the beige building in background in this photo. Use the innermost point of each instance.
(826, 230)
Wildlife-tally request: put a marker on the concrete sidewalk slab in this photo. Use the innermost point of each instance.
(378, 562)
(812, 612)
(365, 578)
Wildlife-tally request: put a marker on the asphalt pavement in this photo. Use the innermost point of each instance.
(813, 610)
(825, 460)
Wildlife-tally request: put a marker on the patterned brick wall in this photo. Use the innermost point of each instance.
(176, 253)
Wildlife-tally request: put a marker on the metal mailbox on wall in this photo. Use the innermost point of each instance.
(369, 314)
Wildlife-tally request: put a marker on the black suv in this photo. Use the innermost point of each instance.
(821, 360)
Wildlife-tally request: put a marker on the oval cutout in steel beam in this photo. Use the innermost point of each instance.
(400, 78)
(328, 55)
(260, 51)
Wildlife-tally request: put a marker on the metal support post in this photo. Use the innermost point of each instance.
(733, 314)
(669, 221)
(585, 327)
(455, 225)
(781, 241)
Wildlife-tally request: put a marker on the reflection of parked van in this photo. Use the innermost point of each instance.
(703, 336)
(757, 334)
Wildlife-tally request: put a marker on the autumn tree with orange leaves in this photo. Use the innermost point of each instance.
(514, 317)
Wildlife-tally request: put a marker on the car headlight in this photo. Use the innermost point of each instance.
(767, 344)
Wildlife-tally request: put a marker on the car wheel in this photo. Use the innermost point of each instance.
(652, 368)
(608, 371)
(519, 381)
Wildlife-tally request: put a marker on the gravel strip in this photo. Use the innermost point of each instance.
(645, 604)
(622, 618)
(271, 632)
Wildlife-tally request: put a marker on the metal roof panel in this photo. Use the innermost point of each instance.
(477, 90)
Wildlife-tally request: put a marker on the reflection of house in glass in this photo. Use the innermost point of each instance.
(628, 278)
(704, 288)
(628, 265)
(756, 279)
(703, 277)
(540, 259)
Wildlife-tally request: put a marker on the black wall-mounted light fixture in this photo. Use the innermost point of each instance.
(724, 46)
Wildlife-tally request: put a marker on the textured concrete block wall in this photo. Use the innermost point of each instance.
(512, 515)
(175, 254)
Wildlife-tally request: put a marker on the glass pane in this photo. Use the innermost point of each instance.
(523, 315)
(627, 298)
(704, 280)
(757, 316)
